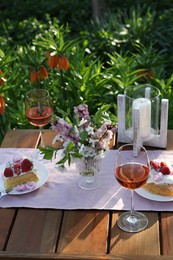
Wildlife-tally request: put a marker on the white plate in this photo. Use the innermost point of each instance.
(42, 174)
(148, 195)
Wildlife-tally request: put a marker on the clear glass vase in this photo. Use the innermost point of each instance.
(88, 168)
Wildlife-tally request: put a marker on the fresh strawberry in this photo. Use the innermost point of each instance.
(162, 164)
(165, 170)
(17, 168)
(26, 165)
(8, 172)
(155, 165)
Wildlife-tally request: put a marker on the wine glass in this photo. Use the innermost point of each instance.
(131, 171)
(38, 109)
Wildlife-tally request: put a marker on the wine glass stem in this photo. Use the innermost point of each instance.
(132, 201)
(41, 137)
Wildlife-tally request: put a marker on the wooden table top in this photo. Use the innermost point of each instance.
(78, 234)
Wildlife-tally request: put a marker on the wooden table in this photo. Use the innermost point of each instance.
(78, 234)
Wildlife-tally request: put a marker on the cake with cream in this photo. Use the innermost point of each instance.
(20, 172)
(160, 179)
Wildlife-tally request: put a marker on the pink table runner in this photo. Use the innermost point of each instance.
(62, 192)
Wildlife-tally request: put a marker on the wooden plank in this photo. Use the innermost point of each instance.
(170, 140)
(48, 136)
(20, 138)
(28, 138)
(35, 231)
(6, 220)
(84, 232)
(142, 243)
(51, 256)
(167, 233)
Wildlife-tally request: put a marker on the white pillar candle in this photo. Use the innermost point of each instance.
(144, 107)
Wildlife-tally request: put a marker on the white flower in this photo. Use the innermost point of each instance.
(82, 122)
(76, 131)
(90, 130)
(93, 141)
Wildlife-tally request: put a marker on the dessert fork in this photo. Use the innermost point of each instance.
(5, 192)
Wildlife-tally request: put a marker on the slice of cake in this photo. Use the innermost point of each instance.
(14, 181)
(160, 179)
(19, 172)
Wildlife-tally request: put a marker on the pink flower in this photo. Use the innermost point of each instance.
(108, 135)
(103, 132)
(82, 111)
(61, 126)
(99, 133)
(65, 130)
(101, 145)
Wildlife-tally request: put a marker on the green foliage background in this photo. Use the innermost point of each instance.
(105, 56)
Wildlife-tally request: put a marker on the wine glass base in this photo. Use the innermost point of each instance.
(132, 222)
(87, 184)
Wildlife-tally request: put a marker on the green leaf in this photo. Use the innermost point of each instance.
(70, 146)
(69, 159)
(63, 160)
(48, 152)
(83, 136)
(77, 155)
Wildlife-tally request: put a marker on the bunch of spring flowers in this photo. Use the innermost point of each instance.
(87, 136)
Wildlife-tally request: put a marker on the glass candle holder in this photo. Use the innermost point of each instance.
(146, 100)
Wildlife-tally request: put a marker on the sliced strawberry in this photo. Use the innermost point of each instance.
(155, 165)
(165, 170)
(17, 168)
(26, 165)
(8, 172)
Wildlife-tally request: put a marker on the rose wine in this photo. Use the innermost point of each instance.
(132, 175)
(39, 116)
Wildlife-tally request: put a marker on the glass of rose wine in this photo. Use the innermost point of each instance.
(38, 109)
(131, 171)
